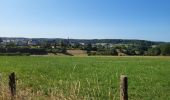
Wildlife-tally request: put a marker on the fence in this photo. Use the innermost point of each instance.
(123, 86)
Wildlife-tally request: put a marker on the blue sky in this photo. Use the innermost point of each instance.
(89, 19)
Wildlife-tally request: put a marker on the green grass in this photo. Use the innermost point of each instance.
(91, 78)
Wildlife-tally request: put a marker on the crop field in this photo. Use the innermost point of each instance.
(85, 78)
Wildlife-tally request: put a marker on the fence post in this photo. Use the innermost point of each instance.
(0, 76)
(12, 84)
(123, 87)
(0, 83)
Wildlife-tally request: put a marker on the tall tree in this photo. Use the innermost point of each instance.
(0, 40)
(89, 47)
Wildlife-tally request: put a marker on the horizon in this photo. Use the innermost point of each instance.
(86, 39)
(86, 19)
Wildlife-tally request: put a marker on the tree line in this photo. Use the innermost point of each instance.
(93, 47)
(124, 49)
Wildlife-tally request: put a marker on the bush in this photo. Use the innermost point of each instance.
(37, 51)
(14, 54)
(154, 51)
(23, 51)
(165, 49)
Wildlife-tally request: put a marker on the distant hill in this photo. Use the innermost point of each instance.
(86, 41)
(120, 47)
(116, 41)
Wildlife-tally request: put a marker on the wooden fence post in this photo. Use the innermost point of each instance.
(12, 84)
(123, 87)
(0, 83)
(0, 77)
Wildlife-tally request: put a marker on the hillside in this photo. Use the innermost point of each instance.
(86, 41)
(114, 47)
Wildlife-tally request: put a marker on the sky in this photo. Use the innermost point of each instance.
(86, 19)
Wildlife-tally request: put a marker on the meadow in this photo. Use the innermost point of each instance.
(85, 78)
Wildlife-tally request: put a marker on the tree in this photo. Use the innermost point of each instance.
(154, 51)
(165, 49)
(89, 47)
(63, 44)
(113, 52)
(0, 40)
(11, 45)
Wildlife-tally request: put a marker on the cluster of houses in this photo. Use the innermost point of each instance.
(36, 42)
(18, 41)
(56, 43)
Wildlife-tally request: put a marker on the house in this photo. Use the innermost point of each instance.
(32, 42)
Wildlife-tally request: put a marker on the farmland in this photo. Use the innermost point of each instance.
(94, 78)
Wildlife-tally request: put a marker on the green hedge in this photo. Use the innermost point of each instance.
(14, 54)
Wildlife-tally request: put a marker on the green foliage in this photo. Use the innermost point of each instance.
(165, 49)
(15, 54)
(0, 40)
(39, 51)
(93, 47)
(111, 52)
(89, 47)
(10, 45)
(63, 50)
(154, 51)
(63, 44)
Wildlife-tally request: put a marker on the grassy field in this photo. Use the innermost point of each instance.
(86, 78)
